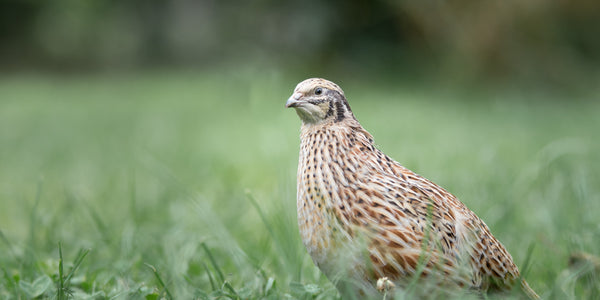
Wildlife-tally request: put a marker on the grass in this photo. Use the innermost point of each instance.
(182, 184)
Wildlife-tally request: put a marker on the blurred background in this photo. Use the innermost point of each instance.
(143, 133)
(552, 43)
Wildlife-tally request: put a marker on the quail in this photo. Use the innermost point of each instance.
(364, 217)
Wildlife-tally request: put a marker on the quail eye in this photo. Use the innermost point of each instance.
(318, 91)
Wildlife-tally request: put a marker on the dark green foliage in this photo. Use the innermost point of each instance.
(551, 43)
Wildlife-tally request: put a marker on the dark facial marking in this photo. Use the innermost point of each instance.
(339, 107)
(316, 102)
(330, 111)
(341, 97)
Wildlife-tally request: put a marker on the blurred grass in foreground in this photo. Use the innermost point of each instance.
(183, 184)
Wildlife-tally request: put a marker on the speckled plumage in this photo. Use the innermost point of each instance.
(365, 216)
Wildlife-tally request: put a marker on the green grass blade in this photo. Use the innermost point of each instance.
(8, 245)
(80, 256)
(11, 283)
(210, 277)
(33, 214)
(231, 289)
(421, 263)
(262, 215)
(214, 263)
(160, 281)
(60, 291)
(527, 261)
(218, 270)
(100, 225)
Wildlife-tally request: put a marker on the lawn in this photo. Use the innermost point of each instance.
(182, 184)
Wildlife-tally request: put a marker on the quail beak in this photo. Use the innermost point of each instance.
(294, 100)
